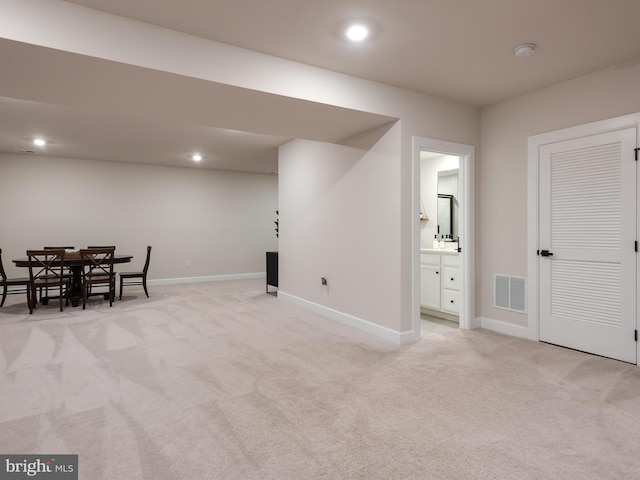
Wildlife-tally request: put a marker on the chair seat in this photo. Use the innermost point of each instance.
(44, 282)
(131, 274)
(99, 278)
(15, 281)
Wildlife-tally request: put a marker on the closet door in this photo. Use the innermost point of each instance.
(587, 228)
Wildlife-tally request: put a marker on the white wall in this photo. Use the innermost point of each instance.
(502, 171)
(339, 219)
(221, 221)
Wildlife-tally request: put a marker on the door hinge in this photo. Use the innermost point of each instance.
(636, 150)
(635, 335)
(636, 245)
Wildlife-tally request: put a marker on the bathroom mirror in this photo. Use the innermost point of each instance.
(445, 214)
(448, 203)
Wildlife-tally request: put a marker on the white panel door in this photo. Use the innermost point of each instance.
(588, 227)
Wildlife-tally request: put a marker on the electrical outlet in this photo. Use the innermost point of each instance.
(325, 285)
(188, 263)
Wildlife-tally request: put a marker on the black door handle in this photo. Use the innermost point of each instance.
(546, 253)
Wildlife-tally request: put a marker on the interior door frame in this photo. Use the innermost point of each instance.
(467, 227)
(533, 187)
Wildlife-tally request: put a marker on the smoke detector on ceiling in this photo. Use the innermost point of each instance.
(524, 50)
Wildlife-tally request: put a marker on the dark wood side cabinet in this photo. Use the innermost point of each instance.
(272, 271)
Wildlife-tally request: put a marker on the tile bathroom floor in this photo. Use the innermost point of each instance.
(431, 324)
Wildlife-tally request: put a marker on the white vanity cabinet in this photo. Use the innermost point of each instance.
(450, 283)
(440, 281)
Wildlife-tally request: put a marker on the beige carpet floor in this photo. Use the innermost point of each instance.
(221, 381)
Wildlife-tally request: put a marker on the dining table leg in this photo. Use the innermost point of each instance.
(75, 289)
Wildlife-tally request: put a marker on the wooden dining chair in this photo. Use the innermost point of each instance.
(136, 278)
(13, 286)
(46, 270)
(66, 272)
(97, 270)
(100, 246)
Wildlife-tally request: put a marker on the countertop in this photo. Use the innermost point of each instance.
(446, 251)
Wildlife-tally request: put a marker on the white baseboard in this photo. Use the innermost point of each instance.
(209, 278)
(394, 336)
(400, 338)
(504, 327)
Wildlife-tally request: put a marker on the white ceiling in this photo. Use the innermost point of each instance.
(101, 110)
(456, 49)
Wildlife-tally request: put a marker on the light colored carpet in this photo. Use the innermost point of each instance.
(221, 381)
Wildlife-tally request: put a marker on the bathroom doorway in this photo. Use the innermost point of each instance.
(443, 273)
(440, 272)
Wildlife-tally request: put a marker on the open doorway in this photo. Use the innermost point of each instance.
(440, 257)
(443, 275)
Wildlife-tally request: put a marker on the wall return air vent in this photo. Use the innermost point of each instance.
(25, 150)
(510, 293)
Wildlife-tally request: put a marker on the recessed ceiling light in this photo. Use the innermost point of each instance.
(357, 32)
(196, 157)
(39, 142)
(524, 50)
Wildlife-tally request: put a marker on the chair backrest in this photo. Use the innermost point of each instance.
(97, 261)
(102, 246)
(58, 248)
(3, 275)
(46, 263)
(146, 263)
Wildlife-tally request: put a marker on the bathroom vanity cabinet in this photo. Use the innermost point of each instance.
(440, 281)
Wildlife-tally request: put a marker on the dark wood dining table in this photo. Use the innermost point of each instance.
(74, 262)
